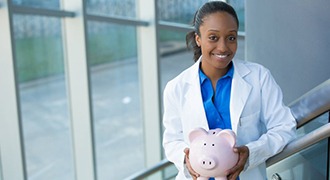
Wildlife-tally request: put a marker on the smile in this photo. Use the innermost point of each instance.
(221, 55)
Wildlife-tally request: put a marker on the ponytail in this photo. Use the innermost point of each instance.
(191, 44)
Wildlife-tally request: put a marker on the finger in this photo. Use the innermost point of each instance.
(233, 176)
(232, 170)
(236, 150)
(186, 151)
(193, 173)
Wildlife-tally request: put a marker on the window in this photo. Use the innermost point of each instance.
(115, 87)
(43, 97)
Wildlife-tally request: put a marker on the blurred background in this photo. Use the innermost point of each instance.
(81, 81)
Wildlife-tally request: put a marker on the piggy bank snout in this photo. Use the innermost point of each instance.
(207, 162)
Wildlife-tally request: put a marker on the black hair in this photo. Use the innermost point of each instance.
(206, 9)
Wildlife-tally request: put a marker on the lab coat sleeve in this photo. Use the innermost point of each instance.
(279, 123)
(173, 138)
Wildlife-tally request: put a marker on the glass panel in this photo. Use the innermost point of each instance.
(43, 97)
(182, 11)
(240, 53)
(170, 172)
(308, 164)
(239, 6)
(49, 4)
(174, 55)
(117, 116)
(123, 8)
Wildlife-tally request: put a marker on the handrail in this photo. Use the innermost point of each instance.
(144, 173)
(301, 143)
(306, 108)
(312, 104)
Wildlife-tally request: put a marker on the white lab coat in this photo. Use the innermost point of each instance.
(258, 116)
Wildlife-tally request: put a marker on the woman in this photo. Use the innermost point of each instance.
(219, 92)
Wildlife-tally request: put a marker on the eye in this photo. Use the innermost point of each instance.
(232, 38)
(213, 38)
(204, 144)
(213, 144)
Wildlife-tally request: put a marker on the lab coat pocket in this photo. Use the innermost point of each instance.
(245, 120)
(248, 127)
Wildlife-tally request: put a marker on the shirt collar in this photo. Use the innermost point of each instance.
(229, 73)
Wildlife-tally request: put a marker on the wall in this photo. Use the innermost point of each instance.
(292, 39)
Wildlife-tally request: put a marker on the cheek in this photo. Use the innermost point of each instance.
(207, 47)
(233, 47)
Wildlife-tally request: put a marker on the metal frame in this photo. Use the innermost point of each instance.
(79, 90)
(328, 160)
(301, 144)
(142, 174)
(42, 12)
(117, 20)
(12, 148)
(148, 56)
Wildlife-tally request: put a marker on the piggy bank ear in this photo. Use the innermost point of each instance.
(229, 136)
(196, 133)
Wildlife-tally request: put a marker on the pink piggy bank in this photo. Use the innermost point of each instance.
(211, 152)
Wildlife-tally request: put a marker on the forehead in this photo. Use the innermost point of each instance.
(219, 21)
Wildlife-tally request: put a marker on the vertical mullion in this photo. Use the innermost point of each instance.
(78, 84)
(328, 154)
(10, 132)
(149, 78)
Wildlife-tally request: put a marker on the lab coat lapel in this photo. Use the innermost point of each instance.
(239, 93)
(193, 99)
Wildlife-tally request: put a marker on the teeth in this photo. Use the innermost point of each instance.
(221, 56)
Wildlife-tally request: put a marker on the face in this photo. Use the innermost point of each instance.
(218, 41)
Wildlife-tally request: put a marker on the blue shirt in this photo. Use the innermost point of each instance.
(216, 104)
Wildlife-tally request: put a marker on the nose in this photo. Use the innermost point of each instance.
(207, 162)
(222, 45)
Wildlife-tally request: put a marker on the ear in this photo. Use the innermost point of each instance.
(229, 136)
(198, 40)
(196, 133)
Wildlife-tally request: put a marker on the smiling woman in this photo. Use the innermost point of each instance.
(218, 44)
(219, 91)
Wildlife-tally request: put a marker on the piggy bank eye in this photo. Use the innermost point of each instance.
(213, 132)
(213, 144)
(204, 144)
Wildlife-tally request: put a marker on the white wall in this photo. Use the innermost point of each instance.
(292, 39)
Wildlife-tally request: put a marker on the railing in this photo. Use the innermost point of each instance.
(305, 109)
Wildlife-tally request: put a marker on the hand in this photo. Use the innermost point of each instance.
(193, 174)
(243, 154)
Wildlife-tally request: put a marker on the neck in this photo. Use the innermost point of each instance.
(215, 74)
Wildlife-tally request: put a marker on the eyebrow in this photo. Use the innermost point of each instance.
(219, 31)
